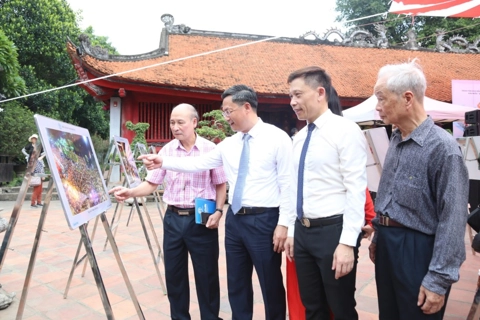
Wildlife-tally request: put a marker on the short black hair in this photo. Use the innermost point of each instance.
(240, 94)
(313, 77)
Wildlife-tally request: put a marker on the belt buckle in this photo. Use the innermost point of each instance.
(305, 222)
(242, 211)
(183, 212)
(384, 221)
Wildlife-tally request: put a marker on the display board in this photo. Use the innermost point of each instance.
(128, 161)
(141, 148)
(378, 143)
(75, 170)
(470, 149)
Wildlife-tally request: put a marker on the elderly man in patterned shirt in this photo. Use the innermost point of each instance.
(421, 203)
(181, 235)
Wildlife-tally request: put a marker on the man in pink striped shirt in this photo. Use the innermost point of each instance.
(181, 235)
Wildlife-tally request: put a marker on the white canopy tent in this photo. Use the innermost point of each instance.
(439, 111)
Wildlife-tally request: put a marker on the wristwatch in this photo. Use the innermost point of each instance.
(218, 209)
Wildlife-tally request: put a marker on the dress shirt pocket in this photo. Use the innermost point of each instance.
(409, 190)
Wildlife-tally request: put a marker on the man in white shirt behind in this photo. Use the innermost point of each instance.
(329, 197)
(257, 161)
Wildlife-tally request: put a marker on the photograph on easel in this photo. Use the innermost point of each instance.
(377, 140)
(75, 170)
(141, 148)
(128, 161)
(152, 150)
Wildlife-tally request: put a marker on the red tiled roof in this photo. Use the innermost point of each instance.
(265, 66)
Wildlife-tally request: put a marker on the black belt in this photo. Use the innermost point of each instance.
(388, 222)
(181, 211)
(308, 223)
(253, 210)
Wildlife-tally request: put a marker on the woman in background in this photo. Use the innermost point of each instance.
(35, 181)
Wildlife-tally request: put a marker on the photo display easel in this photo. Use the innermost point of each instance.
(83, 195)
(158, 193)
(378, 143)
(471, 157)
(18, 203)
(470, 149)
(120, 154)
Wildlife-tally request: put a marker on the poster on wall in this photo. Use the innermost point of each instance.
(127, 159)
(470, 147)
(75, 170)
(466, 93)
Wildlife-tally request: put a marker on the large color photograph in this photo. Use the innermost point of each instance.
(129, 166)
(75, 168)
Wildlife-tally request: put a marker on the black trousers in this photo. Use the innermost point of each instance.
(248, 243)
(319, 290)
(181, 235)
(401, 262)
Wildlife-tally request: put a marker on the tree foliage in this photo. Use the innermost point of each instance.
(139, 128)
(398, 25)
(11, 84)
(214, 127)
(16, 125)
(100, 41)
(39, 29)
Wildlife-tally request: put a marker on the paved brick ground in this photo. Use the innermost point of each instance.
(58, 246)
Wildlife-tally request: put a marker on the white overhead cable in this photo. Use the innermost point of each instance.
(384, 14)
(142, 68)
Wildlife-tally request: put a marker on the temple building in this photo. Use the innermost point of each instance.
(195, 66)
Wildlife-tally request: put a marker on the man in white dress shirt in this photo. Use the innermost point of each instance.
(255, 234)
(330, 198)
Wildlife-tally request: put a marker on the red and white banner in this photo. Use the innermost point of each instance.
(437, 8)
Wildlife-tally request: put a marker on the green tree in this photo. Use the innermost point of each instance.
(139, 128)
(11, 84)
(398, 25)
(16, 125)
(40, 29)
(100, 41)
(214, 127)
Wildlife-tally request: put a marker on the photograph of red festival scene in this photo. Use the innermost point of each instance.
(76, 164)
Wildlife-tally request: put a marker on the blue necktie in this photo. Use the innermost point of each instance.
(242, 175)
(301, 169)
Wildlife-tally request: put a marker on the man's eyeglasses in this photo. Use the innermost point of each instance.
(227, 113)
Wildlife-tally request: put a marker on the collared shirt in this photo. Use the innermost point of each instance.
(181, 189)
(268, 180)
(335, 176)
(424, 186)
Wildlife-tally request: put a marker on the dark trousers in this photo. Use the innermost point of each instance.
(401, 262)
(248, 243)
(319, 290)
(181, 235)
